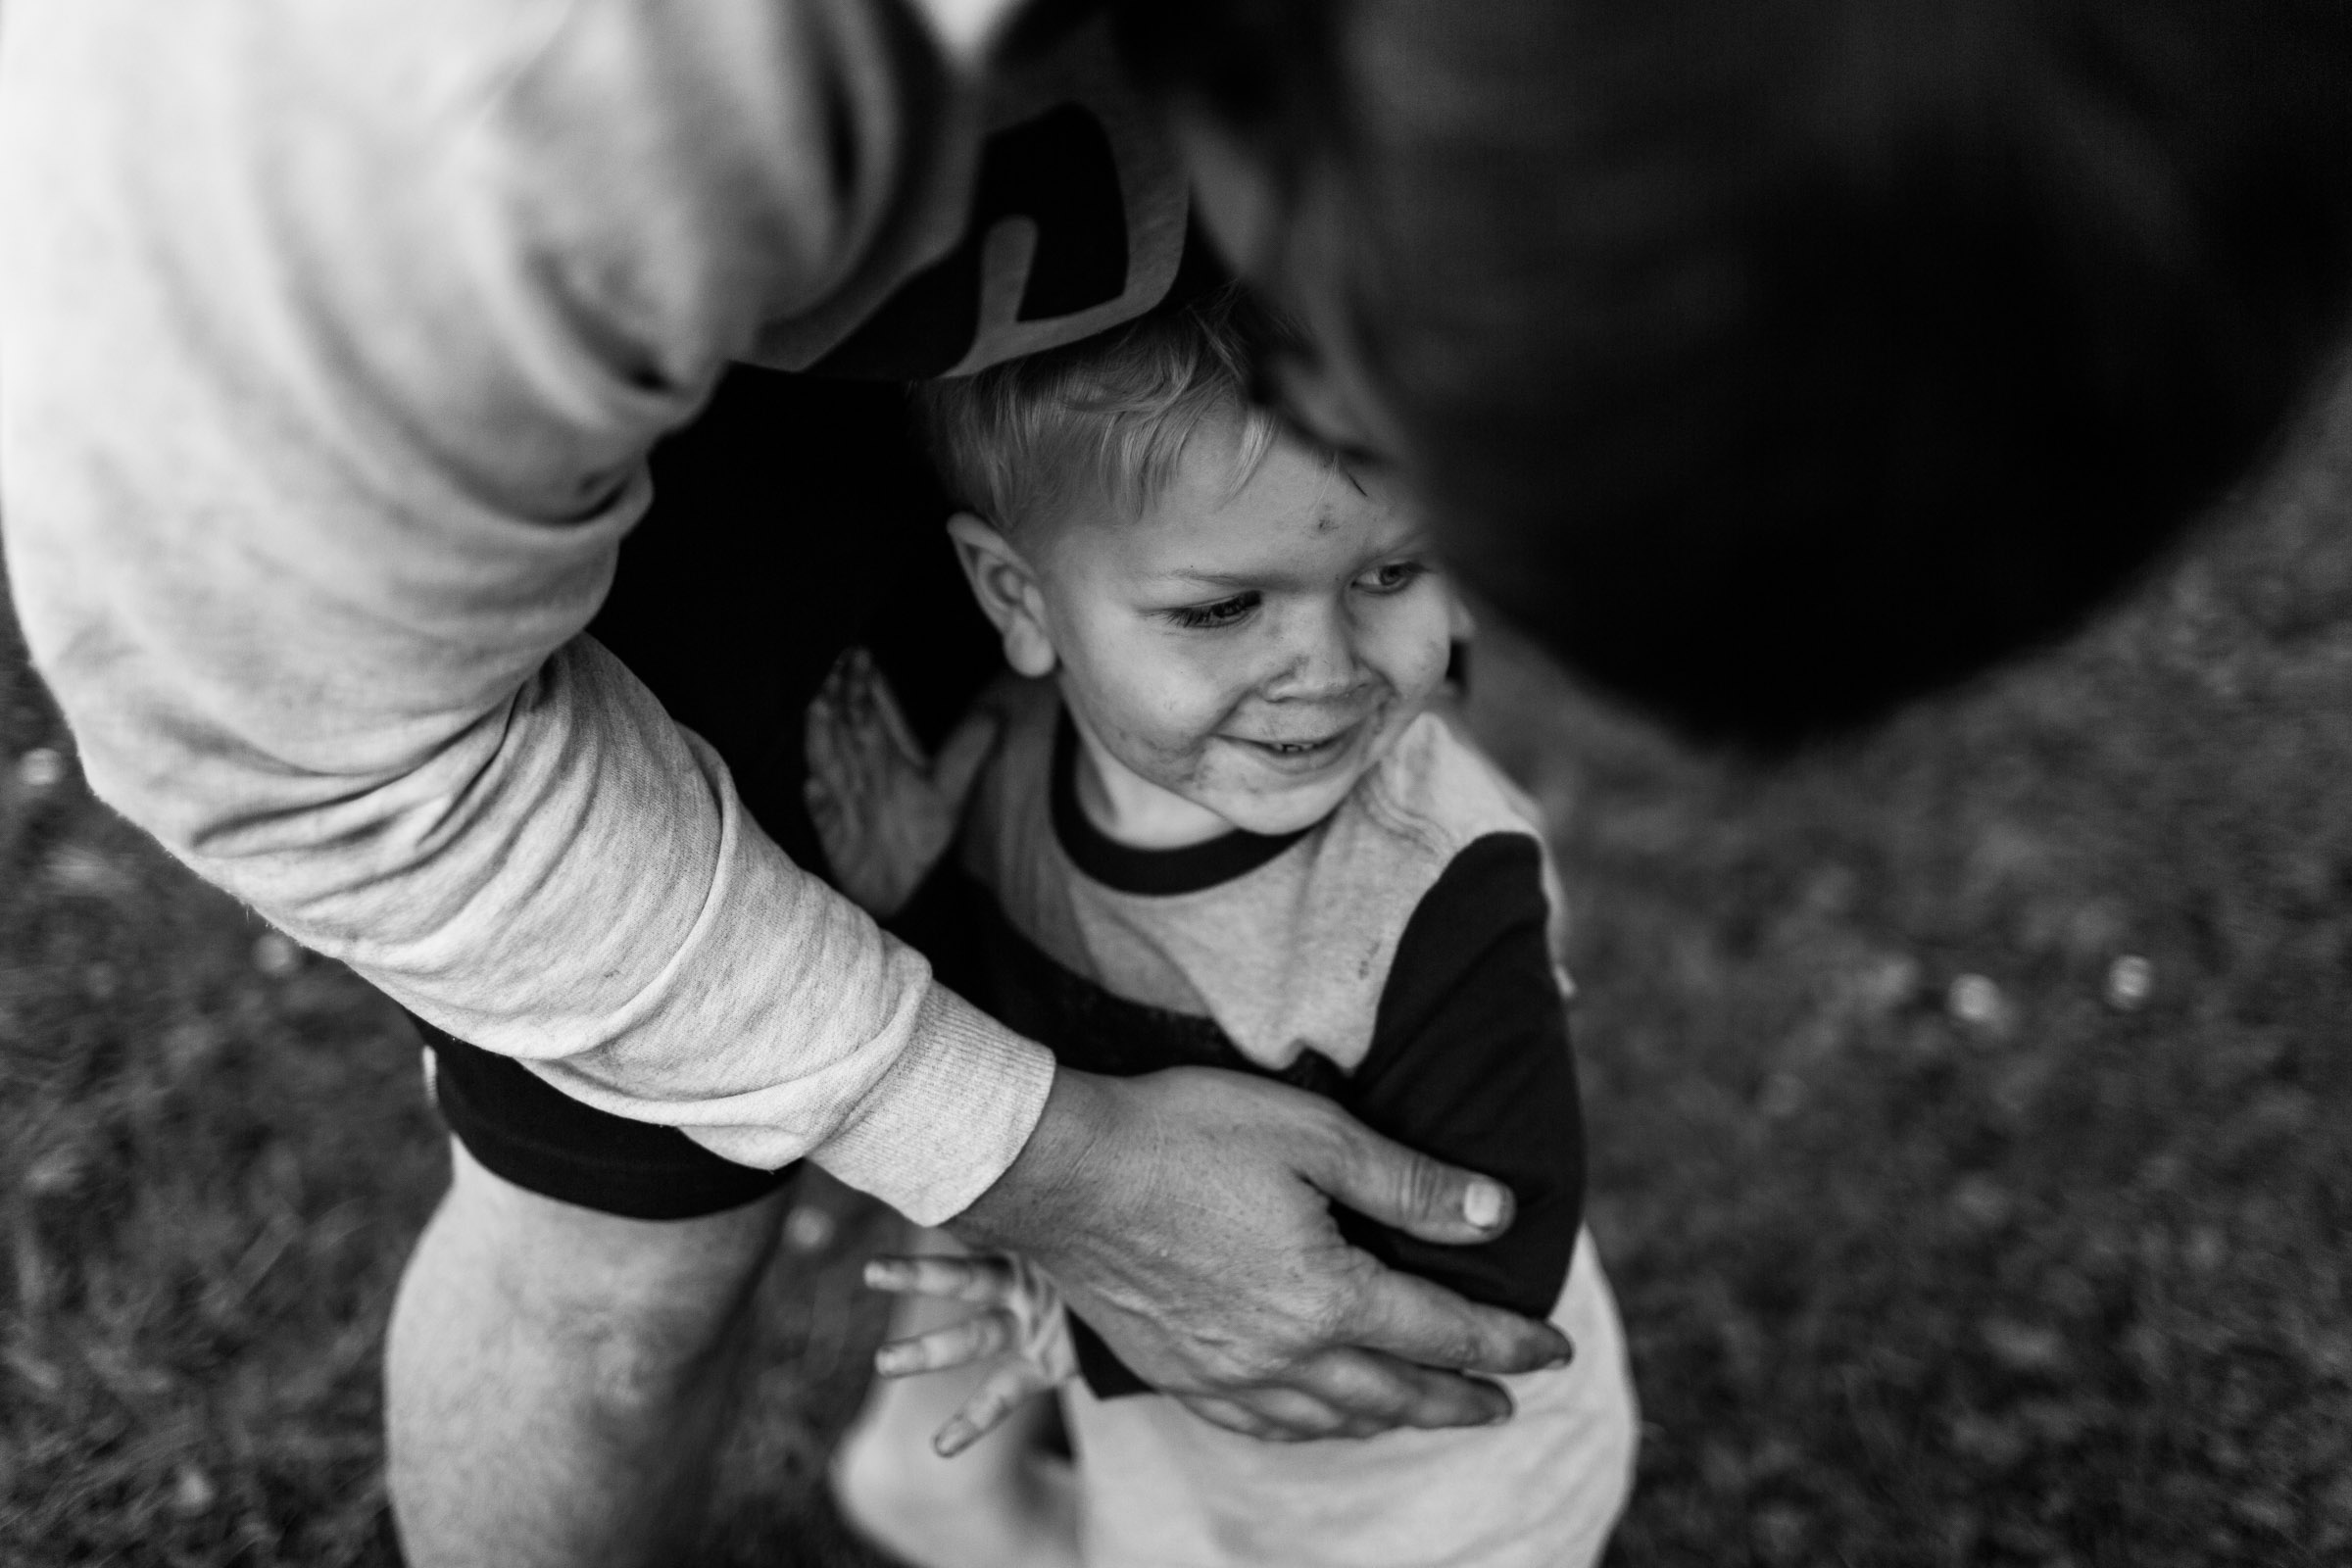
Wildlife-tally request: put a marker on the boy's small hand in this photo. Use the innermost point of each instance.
(884, 812)
(1022, 1322)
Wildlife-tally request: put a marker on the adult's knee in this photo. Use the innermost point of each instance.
(632, 1310)
(557, 1380)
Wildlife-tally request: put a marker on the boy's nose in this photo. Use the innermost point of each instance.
(1319, 663)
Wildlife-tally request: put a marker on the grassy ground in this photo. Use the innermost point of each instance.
(1937, 1245)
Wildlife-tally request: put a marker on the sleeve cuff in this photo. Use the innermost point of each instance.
(950, 1116)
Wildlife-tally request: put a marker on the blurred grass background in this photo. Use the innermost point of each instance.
(1968, 1104)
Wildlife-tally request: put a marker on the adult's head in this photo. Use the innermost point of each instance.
(1774, 362)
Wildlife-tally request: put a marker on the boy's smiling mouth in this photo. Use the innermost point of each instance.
(1301, 756)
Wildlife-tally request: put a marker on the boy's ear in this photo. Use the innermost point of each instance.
(1008, 590)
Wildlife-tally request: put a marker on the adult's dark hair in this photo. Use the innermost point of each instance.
(1778, 360)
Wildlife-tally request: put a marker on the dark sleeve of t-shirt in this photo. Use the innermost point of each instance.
(1469, 1063)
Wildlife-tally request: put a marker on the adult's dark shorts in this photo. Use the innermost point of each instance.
(793, 519)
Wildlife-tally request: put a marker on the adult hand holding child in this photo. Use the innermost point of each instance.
(1309, 1337)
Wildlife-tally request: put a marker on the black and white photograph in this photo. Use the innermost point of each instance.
(1176, 783)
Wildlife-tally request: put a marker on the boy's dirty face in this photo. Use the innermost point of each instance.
(1253, 649)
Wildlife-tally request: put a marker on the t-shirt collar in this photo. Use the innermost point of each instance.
(1124, 868)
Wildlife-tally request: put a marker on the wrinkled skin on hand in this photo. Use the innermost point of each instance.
(1186, 1215)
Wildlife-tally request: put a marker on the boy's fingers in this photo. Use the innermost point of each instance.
(893, 721)
(984, 1281)
(820, 800)
(851, 732)
(841, 680)
(957, 1435)
(975, 1338)
(816, 732)
(835, 750)
(1005, 1391)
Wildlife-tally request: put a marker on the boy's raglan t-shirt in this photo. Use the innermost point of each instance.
(1398, 958)
(334, 338)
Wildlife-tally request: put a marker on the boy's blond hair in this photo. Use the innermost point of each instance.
(1107, 420)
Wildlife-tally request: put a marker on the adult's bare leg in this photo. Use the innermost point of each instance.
(559, 1379)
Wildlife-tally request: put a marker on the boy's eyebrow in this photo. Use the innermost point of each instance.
(1417, 544)
(1218, 579)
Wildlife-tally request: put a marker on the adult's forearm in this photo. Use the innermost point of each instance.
(334, 340)
(572, 881)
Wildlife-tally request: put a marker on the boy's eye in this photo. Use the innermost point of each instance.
(1205, 617)
(1394, 577)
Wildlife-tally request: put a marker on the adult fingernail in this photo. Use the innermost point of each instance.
(1481, 1205)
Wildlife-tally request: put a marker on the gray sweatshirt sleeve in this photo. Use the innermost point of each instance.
(333, 338)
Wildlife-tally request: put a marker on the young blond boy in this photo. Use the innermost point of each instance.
(1222, 828)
